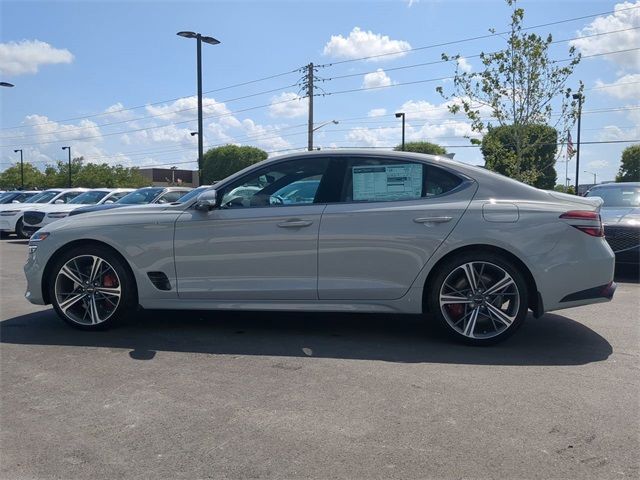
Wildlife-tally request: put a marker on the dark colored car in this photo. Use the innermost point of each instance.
(621, 218)
(142, 196)
(17, 196)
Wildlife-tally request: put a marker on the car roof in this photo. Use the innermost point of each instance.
(616, 184)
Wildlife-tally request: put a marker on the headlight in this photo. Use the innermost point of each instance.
(9, 213)
(35, 239)
(58, 215)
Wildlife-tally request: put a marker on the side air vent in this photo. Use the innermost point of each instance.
(160, 280)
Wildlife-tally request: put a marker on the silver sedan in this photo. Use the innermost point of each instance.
(347, 231)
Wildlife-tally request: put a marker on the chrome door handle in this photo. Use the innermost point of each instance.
(432, 219)
(295, 224)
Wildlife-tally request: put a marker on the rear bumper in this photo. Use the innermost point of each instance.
(601, 292)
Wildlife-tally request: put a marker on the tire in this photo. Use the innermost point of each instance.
(91, 288)
(489, 311)
(20, 233)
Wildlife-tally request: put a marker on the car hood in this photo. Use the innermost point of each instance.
(621, 216)
(57, 207)
(22, 206)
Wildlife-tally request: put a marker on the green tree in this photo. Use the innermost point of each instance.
(518, 86)
(219, 163)
(535, 166)
(629, 165)
(94, 175)
(33, 177)
(564, 189)
(422, 147)
(57, 176)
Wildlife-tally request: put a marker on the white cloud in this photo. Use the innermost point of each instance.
(265, 136)
(26, 56)
(376, 79)
(620, 20)
(597, 164)
(411, 3)
(187, 108)
(288, 105)
(377, 112)
(464, 65)
(627, 86)
(117, 112)
(361, 43)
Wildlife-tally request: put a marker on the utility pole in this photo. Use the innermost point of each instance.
(21, 168)
(579, 97)
(69, 149)
(310, 94)
(398, 115)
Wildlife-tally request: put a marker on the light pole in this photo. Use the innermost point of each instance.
(21, 168)
(211, 41)
(398, 115)
(595, 177)
(335, 122)
(69, 149)
(6, 84)
(579, 97)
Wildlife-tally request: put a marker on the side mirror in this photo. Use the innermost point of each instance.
(59, 201)
(206, 201)
(108, 201)
(15, 201)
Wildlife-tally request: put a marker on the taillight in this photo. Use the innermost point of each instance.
(585, 215)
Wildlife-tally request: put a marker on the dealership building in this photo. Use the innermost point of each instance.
(171, 176)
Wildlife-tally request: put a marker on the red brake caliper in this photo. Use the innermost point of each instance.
(456, 310)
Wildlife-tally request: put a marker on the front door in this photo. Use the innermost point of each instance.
(261, 243)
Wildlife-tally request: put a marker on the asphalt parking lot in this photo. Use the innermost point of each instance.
(255, 395)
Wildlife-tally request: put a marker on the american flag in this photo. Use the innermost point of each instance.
(570, 150)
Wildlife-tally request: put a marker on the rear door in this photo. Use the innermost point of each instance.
(391, 217)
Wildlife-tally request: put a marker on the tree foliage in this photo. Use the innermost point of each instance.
(629, 165)
(220, 162)
(10, 178)
(422, 147)
(89, 175)
(535, 166)
(517, 86)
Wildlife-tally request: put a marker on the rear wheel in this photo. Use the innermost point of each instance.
(479, 298)
(90, 288)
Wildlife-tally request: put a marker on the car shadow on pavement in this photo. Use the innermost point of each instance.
(550, 340)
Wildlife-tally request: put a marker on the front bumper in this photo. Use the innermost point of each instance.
(7, 224)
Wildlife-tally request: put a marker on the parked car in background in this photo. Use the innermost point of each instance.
(11, 215)
(37, 218)
(390, 232)
(142, 196)
(18, 196)
(621, 218)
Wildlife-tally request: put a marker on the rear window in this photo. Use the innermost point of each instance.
(618, 196)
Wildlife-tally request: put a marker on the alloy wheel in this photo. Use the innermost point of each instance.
(87, 290)
(479, 300)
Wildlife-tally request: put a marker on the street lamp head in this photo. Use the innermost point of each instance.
(187, 34)
(6, 84)
(335, 122)
(399, 114)
(66, 148)
(210, 40)
(193, 134)
(16, 151)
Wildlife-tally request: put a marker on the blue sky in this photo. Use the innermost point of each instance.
(71, 60)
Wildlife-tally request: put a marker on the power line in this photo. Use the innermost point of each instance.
(478, 37)
(157, 102)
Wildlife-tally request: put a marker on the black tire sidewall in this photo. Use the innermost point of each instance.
(127, 299)
(433, 294)
(20, 229)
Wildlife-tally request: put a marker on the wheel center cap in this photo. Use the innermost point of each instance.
(478, 299)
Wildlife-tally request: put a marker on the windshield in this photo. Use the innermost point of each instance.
(140, 197)
(89, 198)
(618, 196)
(192, 194)
(44, 197)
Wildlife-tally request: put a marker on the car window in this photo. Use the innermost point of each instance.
(140, 197)
(294, 182)
(44, 197)
(117, 196)
(170, 197)
(67, 197)
(618, 196)
(388, 180)
(89, 198)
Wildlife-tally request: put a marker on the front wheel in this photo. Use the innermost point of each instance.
(479, 298)
(90, 288)
(20, 233)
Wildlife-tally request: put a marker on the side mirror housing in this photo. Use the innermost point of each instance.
(59, 201)
(108, 201)
(206, 201)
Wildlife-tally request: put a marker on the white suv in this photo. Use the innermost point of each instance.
(11, 215)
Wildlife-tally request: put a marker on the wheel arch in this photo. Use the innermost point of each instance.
(78, 243)
(535, 299)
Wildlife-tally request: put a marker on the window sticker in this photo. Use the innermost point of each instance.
(387, 182)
